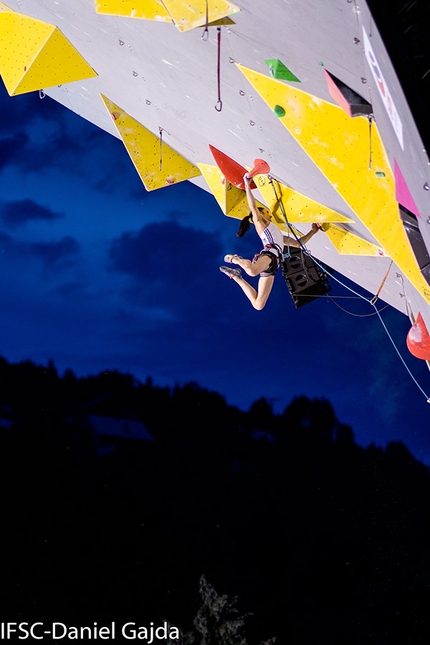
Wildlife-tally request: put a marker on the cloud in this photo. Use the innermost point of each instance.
(11, 148)
(19, 109)
(58, 254)
(165, 251)
(174, 268)
(43, 133)
(17, 213)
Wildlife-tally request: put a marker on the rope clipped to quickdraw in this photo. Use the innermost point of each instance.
(160, 132)
(376, 296)
(205, 34)
(218, 106)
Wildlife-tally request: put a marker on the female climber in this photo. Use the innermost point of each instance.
(267, 262)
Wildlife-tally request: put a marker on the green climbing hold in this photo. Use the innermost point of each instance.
(380, 174)
(279, 111)
(278, 70)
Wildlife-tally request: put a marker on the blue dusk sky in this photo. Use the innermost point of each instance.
(98, 274)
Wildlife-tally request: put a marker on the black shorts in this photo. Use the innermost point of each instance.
(273, 266)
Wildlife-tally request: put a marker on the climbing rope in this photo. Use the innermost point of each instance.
(284, 215)
(351, 313)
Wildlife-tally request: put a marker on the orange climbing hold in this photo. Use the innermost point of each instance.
(418, 339)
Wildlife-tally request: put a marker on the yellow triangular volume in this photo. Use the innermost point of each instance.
(186, 15)
(190, 14)
(157, 168)
(347, 243)
(339, 146)
(36, 55)
(297, 207)
(146, 9)
(231, 200)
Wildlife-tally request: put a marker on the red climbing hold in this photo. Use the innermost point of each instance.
(261, 167)
(418, 339)
(231, 170)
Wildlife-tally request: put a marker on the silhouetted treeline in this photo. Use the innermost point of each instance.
(325, 542)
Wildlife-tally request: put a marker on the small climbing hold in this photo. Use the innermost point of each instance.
(379, 174)
(278, 70)
(279, 111)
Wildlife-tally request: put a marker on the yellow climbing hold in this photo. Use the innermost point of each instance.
(36, 55)
(156, 168)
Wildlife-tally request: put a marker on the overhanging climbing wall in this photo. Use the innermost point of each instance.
(168, 72)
